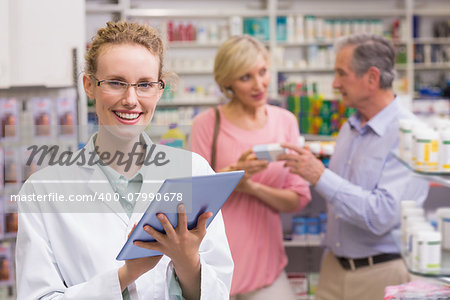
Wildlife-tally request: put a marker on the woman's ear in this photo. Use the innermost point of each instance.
(88, 86)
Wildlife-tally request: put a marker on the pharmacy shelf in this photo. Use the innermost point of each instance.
(438, 177)
(193, 72)
(443, 273)
(106, 8)
(305, 70)
(9, 236)
(306, 43)
(194, 13)
(158, 130)
(319, 138)
(177, 103)
(357, 12)
(432, 66)
(294, 243)
(441, 12)
(320, 43)
(190, 44)
(428, 40)
(323, 70)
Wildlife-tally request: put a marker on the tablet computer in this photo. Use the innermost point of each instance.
(199, 194)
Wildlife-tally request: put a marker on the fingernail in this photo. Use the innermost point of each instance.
(146, 228)
(160, 217)
(181, 208)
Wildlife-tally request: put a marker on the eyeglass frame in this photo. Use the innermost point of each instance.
(160, 83)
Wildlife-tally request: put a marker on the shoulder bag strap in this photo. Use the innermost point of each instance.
(214, 142)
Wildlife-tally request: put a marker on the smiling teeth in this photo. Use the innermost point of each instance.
(127, 116)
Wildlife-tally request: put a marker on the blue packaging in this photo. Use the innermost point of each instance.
(313, 226)
(299, 228)
(323, 222)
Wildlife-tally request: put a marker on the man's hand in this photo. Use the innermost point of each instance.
(302, 162)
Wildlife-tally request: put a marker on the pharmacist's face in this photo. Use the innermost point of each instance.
(354, 89)
(251, 88)
(124, 114)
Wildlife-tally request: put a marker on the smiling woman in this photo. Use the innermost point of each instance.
(75, 252)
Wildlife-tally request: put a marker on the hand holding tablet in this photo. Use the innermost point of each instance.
(200, 194)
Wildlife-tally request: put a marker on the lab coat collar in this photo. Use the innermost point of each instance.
(98, 183)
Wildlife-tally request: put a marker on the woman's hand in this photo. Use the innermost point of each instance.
(182, 246)
(134, 268)
(251, 165)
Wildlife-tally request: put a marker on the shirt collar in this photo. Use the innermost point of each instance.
(380, 122)
(110, 173)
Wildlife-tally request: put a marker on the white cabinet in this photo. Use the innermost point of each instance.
(40, 41)
(4, 38)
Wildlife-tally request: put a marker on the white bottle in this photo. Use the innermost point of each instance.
(310, 28)
(427, 147)
(444, 151)
(408, 213)
(202, 34)
(405, 139)
(417, 126)
(443, 215)
(235, 25)
(299, 29)
(213, 33)
(337, 28)
(328, 30)
(290, 29)
(428, 257)
(414, 225)
(427, 53)
(320, 29)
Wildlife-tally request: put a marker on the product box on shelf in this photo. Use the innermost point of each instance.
(9, 119)
(299, 284)
(316, 115)
(92, 125)
(257, 27)
(11, 217)
(6, 265)
(67, 117)
(12, 168)
(313, 282)
(2, 169)
(308, 230)
(42, 117)
(2, 215)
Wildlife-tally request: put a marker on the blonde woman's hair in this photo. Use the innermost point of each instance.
(235, 57)
(122, 32)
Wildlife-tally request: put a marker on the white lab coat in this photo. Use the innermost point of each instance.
(71, 255)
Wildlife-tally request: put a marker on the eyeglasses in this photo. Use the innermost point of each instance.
(117, 87)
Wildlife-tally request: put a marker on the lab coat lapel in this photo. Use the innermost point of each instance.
(149, 187)
(98, 184)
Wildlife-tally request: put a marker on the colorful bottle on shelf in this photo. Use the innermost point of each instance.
(174, 137)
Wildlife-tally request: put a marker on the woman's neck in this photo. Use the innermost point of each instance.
(108, 145)
(245, 117)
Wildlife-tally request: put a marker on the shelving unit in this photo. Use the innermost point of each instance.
(443, 178)
(404, 10)
(294, 243)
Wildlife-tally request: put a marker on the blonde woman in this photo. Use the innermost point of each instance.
(251, 214)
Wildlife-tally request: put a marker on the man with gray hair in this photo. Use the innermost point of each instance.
(364, 184)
